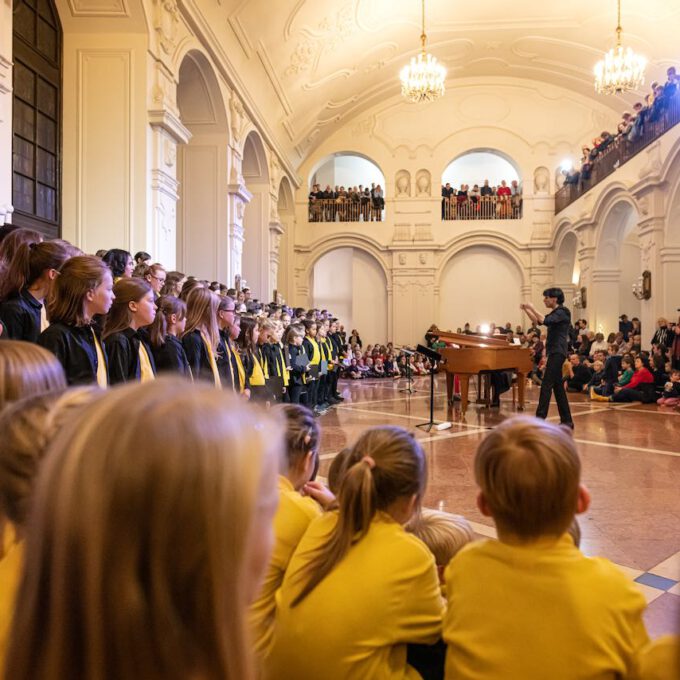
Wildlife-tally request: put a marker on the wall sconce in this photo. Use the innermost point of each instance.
(642, 288)
(580, 300)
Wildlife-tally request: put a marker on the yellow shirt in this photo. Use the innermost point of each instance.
(383, 594)
(539, 612)
(316, 353)
(10, 572)
(661, 659)
(292, 518)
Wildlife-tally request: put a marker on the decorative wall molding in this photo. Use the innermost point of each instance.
(99, 8)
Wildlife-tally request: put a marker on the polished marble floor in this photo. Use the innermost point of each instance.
(631, 464)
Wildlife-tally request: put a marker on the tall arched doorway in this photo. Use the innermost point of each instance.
(36, 127)
(497, 281)
(202, 233)
(339, 282)
(255, 264)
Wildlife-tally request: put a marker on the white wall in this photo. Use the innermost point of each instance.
(480, 285)
(630, 273)
(348, 171)
(475, 167)
(350, 284)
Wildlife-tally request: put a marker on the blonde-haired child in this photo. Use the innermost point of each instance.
(28, 426)
(149, 535)
(359, 585)
(293, 515)
(531, 605)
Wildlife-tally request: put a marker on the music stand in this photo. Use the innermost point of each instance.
(434, 358)
(409, 379)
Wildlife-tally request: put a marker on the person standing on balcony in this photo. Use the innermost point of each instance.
(378, 202)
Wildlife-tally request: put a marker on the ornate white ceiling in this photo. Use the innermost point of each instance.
(326, 61)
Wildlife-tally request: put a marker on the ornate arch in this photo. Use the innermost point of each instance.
(501, 242)
(345, 152)
(314, 252)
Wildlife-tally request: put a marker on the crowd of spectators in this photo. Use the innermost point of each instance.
(482, 202)
(351, 204)
(646, 116)
(615, 368)
(200, 522)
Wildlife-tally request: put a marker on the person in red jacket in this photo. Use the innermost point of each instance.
(634, 390)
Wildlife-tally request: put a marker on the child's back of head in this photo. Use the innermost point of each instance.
(442, 532)
(528, 471)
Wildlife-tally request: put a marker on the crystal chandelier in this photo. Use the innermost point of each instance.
(621, 70)
(422, 80)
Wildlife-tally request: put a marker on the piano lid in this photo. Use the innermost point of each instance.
(471, 340)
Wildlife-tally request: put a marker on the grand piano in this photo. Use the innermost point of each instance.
(475, 354)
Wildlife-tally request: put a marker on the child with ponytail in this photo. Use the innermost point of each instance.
(293, 515)
(169, 324)
(201, 336)
(83, 289)
(129, 354)
(358, 584)
(25, 286)
(313, 352)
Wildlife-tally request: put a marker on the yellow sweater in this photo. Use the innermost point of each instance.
(356, 623)
(661, 659)
(10, 572)
(539, 612)
(292, 518)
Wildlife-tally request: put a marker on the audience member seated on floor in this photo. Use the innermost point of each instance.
(671, 392)
(599, 344)
(353, 372)
(391, 367)
(359, 586)
(379, 368)
(597, 377)
(578, 374)
(159, 580)
(500, 593)
(27, 369)
(300, 501)
(27, 427)
(445, 535)
(639, 388)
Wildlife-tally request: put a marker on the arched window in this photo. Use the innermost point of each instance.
(36, 140)
(481, 184)
(346, 187)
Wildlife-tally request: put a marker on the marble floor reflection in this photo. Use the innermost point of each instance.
(631, 464)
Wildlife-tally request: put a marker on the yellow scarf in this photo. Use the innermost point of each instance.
(145, 368)
(316, 354)
(102, 377)
(211, 358)
(284, 368)
(241, 371)
(257, 377)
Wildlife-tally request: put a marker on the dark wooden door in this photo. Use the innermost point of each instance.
(36, 141)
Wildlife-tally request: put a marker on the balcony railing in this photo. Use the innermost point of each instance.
(483, 208)
(337, 210)
(617, 153)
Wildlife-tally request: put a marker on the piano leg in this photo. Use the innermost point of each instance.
(521, 384)
(449, 388)
(464, 386)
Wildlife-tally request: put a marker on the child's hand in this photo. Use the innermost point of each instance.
(320, 493)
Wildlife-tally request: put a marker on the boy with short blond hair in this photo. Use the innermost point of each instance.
(530, 605)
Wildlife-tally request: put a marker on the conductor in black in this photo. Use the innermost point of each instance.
(558, 322)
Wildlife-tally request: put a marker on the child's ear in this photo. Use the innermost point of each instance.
(173, 319)
(583, 500)
(483, 505)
